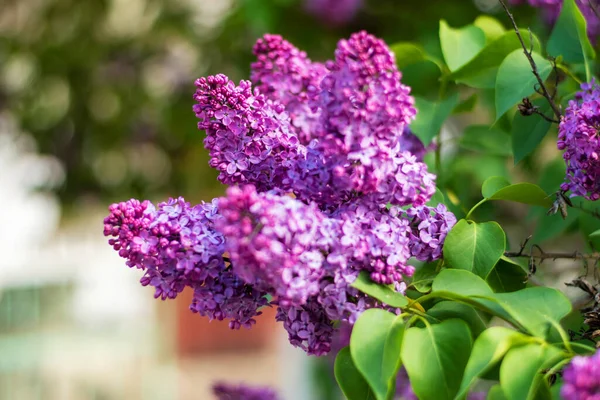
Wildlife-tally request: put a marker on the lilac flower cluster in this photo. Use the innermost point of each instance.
(578, 137)
(334, 12)
(429, 227)
(552, 8)
(582, 378)
(225, 391)
(315, 154)
(177, 246)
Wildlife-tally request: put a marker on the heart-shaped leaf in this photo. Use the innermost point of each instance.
(375, 348)
(459, 46)
(435, 358)
(476, 247)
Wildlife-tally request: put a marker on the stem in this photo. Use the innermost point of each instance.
(547, 118)
(534, 69)
(475, 207)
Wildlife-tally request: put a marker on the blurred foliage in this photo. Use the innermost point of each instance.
(106, 85)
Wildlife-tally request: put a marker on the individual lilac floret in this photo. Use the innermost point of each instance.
(308, 327)
(284, 74)
(429, 227)
(226, 391)
(334, 12)
(272, 241)
(582, 378)
(578, 137)
(249, 138)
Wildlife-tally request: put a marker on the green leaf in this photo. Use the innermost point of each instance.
(450, 309)
(408, 53)
(569, 37)
(461, 282)
(349, 379)
(476, 247)
(381, 292)
(535, 308)
(520, 372)
(492, 28)
(492, 185)
(516, 81)
(431, 117)
(375, 348)
(496, 393)
(423, 277)
(526, 193)
(435, 358)
(460, 45)
(482, 138)
(507, 276)
(488, 350)
(466, 105)
(529, 131)
(481, 72)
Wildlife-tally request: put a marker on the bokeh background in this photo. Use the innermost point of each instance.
(96, 107)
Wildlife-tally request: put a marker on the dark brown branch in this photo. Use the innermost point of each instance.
(534, 69)
(547, 118)
(554, 256)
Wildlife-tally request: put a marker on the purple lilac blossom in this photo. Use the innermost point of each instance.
(177, 247)
(334, 12)
(336, 136)
(552, 8)
(578, 137)
(582, 378)
(308, 326)
(286, 75)
(364, 110)
(429, 227)
(249, 138)
(226, 391)
(272, 241)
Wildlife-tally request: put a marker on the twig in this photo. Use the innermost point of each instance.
(554, 256)
(534, 69)
(547, 118)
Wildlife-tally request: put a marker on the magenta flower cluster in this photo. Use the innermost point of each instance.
(582, 378)
(326, 181)
(578, 137)
(226, 391)
(552, 8)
